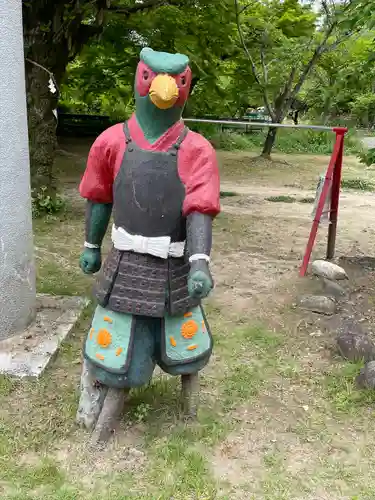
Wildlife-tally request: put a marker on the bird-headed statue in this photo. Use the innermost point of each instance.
(160, 182)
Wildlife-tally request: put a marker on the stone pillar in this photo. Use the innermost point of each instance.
(17, 270)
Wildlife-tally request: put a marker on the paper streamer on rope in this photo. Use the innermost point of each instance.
(52, 85)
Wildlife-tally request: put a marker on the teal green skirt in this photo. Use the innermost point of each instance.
(123, 350)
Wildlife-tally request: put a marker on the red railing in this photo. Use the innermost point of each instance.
(332, 182)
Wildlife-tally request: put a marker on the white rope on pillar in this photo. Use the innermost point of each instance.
(52, 84)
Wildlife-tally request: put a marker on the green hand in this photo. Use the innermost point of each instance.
(200, 281)
(90, 260)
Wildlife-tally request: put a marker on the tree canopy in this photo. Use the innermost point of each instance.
(293, 50)
(101, 78)
(244, 53)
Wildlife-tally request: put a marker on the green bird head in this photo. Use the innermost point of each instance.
(162, 86)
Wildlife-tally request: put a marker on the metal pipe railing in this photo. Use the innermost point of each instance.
(263, 124)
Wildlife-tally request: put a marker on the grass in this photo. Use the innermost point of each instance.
(289, 199)
(271, 426)
(341, 389)
(281, 199)
(228, 194)
(287, 141)
(298, 171)
(39, 416)
(358, 184)
(308, 199)
(248, 377)
(367, 157)
(177, 465)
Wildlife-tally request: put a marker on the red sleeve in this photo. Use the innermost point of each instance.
(96, 184)
(199, 172)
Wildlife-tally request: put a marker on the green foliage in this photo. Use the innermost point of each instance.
(368, 157)
(294, 19)
(230, 141)
(292, 141)
(282, 38)
(279, 38)
(307, 200)
(342, 83)
(101, 79)
(44, 203)
(358, 184)
(228, 194)
(360, 13)
(281, 199)
(245, 378)
(305, 141)
(99, 85)
(289, 199)
(141, 412)
(7, 385)
(363, 109)
(341, 389)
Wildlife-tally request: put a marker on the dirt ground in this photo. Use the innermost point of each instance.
(265, 246)
(280, 418)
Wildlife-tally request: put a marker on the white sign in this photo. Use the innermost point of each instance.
(327, 204)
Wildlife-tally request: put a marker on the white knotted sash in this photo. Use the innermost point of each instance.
(159, 246)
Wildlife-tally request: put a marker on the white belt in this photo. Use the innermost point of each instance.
(160, 246)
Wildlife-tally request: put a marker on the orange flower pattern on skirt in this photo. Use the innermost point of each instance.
(189, 329)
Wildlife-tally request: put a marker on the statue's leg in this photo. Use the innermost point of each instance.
(184, 346)
(91, 400)
(190, 395)
(110, 414)
(139, 373)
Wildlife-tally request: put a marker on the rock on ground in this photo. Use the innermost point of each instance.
(318, 303)
(328, 270)
(333, 289)
(366, 377)
(28, 353)
(356, 347)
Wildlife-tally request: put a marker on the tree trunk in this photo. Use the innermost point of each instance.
(50, 42)
(326, 110)
(269, 143)
(42, 127)
(277, 116)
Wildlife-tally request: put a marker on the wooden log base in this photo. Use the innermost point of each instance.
(91, 399)
(190, 396)
(109, 416)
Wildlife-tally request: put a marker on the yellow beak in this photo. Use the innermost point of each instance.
(163, 91)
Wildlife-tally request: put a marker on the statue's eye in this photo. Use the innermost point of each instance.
(146, 76)
(183, 80)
